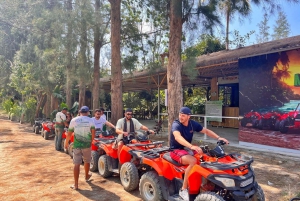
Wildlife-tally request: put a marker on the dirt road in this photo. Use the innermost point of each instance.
(31, 169)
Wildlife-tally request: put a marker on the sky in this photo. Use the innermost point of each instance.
(291, 10)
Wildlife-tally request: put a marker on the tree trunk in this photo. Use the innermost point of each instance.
(40, 104)
(116, 68)
(97, 46)
(174, 65)
(83, 58)
(227, 28)
(69, 55)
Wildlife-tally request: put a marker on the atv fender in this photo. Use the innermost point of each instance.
(156, 165)
(195, 178)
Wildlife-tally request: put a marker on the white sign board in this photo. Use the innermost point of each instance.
(213, 108)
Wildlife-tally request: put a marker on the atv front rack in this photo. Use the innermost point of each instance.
(155, 152)
(241, 160)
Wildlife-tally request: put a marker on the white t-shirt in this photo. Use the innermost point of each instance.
(99, 123)
(136, 124)
(59, 119)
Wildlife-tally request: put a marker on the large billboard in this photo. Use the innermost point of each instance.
(269, 96)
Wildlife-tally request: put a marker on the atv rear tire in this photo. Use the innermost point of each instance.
(260, 125)
(70, 150)
(244, 122)
(276, 126)
(150, 189)
(208, 196)
(94, 161)
(46, 135)
(36, 130)
(283, 126)
(259, 195)
(103, 167)
(129, 176)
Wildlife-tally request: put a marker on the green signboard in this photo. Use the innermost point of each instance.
(297, 80)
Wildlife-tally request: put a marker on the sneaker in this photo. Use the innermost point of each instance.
(184, 194)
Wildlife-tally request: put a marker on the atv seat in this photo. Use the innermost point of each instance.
(168, 158)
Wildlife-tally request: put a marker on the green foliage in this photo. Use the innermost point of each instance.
(239, 40)
(197, 100)
(263, 34)
(7, 105)
(282, 27)
(29, 109)
(63, 105)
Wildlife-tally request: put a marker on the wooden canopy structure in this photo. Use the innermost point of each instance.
(219, 64)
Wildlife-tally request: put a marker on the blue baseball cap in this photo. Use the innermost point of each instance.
(185, 110)
(84, 109)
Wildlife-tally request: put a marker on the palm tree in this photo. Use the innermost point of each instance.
(230, 8)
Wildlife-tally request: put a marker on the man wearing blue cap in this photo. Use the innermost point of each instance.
(84, 133)
(181, 137)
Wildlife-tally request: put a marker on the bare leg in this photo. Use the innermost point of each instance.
(190, 161)
(76, 175)
(87, 170)
(120, 145)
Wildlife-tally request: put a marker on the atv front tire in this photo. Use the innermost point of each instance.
(259, 195)
(94, 161)
(103, 167)
(150, 189)
(208, 196)
(129, 176)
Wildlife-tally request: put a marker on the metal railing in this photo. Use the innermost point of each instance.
(205, 119)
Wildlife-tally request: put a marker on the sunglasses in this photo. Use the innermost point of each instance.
(129, 114)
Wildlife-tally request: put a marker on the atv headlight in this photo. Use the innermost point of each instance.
(247, 182)
(226, 181)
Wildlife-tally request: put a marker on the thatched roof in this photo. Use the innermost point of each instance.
(217, 64)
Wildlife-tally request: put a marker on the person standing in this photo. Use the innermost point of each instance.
(84, 133)
(181, 137)
(60, 124)
(127, 125)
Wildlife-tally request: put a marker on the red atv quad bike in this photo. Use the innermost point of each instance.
(269, 120)
(252, 118)
(37, 126)
(96, 151)
(217, 176)
(128, 163)
(290, 120)
(48, 129)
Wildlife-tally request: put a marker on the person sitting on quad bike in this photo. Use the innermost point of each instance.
(128, 125)
(60, 123)
(180, 137)
(100, 120)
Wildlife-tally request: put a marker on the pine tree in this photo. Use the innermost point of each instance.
(263, 34)
(282, 27)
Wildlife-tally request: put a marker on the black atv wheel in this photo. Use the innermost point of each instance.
(94, 161)
(46, 135)
(255, 123)
(70, 150)
(103, 167)
(276, 126)
(244, 122)
(208, 196)
(129, 176)
(259, 195)
(260, 124)
(150, 189)
(283, 126)
(42, 132)
(36, 130)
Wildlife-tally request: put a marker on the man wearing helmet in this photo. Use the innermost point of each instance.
(127, 125)
(181, 137)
